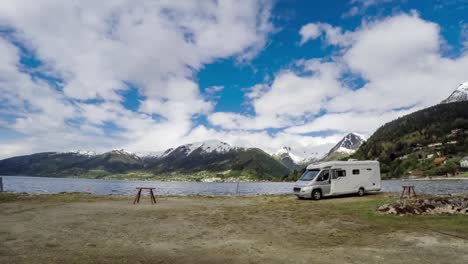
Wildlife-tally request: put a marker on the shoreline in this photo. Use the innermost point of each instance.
(437, 179)
(145, 179)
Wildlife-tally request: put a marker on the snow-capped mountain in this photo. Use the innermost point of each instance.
(208, 146)
(203, 147)
(88, 153)
(286, 152)
(345, 147)
(287, 158)
(296, 159)
(460, 94)
(215, 156)
(211, 157)
(122, 152)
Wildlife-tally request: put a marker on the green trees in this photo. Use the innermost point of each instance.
(403, 145)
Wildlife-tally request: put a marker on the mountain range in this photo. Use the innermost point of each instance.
(343, 149)
(211, 158)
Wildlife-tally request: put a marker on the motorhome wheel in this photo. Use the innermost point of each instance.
(316, 194)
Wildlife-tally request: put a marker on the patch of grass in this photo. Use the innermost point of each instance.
(56, 198)
(9, 197)
(95, 174)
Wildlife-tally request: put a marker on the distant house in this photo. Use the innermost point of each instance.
(456, 132)
(464, 163)
(440, 160)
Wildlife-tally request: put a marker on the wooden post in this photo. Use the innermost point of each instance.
(407, 192)
(1, 184)
(137, 197)
(153, 199)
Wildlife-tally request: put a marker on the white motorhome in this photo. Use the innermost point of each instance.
(338, 177)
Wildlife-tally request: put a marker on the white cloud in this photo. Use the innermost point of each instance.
(309, 32)
(464, 35)
(399, 59)
(256, 91)
(360, 7)
(212, 90)
(99, 48)
(290, 99)
(360, 122)
(333, 35)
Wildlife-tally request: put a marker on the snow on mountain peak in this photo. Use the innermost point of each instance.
(351, 141)
(283, 150)
(152, 154)
(208, 146)
(348, 145)
(296, 158)
(463, 87)
(83, 152)
(125, 153)
(460, 94)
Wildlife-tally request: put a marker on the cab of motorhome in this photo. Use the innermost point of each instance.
(337, 178)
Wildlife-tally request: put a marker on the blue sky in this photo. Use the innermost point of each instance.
(147, 75)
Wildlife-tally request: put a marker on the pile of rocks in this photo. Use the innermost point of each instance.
(428, 205)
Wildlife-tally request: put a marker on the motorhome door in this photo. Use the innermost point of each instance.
(340, 181)
(324, 181)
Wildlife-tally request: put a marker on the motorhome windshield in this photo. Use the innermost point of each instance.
(309, 175)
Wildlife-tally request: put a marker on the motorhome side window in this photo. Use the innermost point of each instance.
(324, 176)
(355, 172)
(338, 173)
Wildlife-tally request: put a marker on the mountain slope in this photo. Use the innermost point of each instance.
(406, 145)
(288, 159)
(70, 164)
(345, 147)
(459, 95)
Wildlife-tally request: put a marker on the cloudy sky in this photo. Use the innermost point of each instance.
(148, 75)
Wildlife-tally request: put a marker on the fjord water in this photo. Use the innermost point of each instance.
(44, 185)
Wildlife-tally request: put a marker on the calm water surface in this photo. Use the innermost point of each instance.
(42, 185)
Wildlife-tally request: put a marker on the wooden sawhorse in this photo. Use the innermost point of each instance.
(152, 197)
(409, 191)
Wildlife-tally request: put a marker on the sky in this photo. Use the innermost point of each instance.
(149, 75)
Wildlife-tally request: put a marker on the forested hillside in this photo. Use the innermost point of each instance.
(411, 144)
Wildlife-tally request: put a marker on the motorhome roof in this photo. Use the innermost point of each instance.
(341, 163)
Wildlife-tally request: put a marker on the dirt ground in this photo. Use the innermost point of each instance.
(79, 228)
